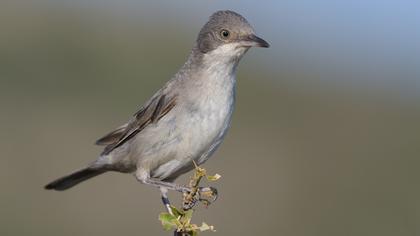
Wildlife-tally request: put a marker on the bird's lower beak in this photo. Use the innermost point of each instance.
(255, 41)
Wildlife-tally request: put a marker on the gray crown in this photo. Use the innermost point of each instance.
(210, 37)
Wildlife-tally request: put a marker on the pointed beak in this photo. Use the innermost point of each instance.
(255, 41)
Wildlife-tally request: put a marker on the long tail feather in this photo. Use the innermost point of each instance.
(74, 178)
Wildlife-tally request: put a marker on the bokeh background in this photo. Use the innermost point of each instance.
(325, 138)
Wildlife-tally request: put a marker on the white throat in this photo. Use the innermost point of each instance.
(225, 56)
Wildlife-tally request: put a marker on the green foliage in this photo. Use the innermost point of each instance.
(168, 221)
(181, 222)
(213, 177)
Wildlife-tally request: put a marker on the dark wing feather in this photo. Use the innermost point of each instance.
(112, 137)
(152, 112)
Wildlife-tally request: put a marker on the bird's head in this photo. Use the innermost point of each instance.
(229, 35)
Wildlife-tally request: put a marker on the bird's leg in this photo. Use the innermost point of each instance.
(165, 200)
(144, 177)
(163, 184)
(196, 192)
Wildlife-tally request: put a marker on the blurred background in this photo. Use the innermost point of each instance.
(325, 138)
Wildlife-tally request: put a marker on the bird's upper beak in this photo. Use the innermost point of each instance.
(254, 41)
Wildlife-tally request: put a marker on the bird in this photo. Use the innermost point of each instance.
(186, 120)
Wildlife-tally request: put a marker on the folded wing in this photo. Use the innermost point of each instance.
(151, 112)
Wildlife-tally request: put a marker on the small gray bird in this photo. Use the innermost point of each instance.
(186, 120)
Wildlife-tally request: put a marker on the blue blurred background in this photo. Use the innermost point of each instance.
(325, 138)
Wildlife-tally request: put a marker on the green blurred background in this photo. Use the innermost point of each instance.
(325, 138)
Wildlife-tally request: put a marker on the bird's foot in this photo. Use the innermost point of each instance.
(208, 195)
(205, 195)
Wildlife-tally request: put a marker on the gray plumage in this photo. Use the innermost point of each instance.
(187, 119)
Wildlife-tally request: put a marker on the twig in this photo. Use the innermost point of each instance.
(180, 219)
(190, 198)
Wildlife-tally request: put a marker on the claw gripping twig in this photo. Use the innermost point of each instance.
(190, 198)
(180, 220)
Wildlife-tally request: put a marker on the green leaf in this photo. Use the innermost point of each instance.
(205, 227)
(193, 233)
(188, 215)
(213, 177)
(168, 221)
(177, 213)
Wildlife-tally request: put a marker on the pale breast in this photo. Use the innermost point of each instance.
(193, 129)
(210, 117)
(199, 126)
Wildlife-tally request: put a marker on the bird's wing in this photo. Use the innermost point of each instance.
(112, 136)
(157, 107)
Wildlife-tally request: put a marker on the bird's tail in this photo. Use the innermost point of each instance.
(74, 178)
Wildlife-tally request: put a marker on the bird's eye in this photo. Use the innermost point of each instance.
(225, 34)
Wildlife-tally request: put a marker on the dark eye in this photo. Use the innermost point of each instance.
(225, 34)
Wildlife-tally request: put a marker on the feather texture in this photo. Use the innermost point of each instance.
(152, 112)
